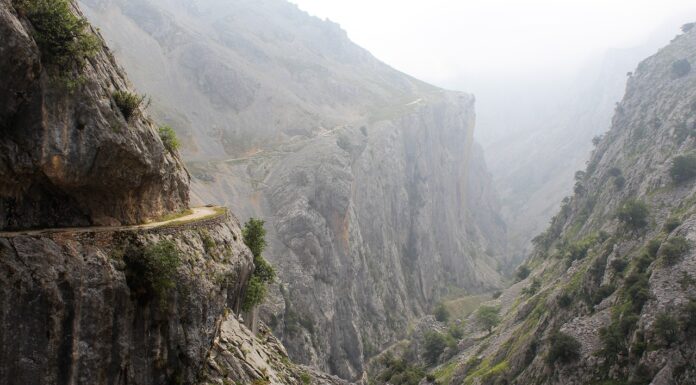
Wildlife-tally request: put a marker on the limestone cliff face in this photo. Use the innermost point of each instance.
(114, 304)
(67, 156)
(377, 199)
(611, 297)
(73, 312)
(371, 231)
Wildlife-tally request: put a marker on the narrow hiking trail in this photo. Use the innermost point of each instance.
(197, 213)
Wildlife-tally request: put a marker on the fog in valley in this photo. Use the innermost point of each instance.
(296, 192)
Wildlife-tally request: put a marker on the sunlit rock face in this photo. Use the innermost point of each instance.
(376, 198)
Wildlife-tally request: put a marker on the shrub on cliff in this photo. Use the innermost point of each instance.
(683, 168)
(633, 214)
(128, 103)
(522, 272)
(154, 270)
(673, 249)
(666, 329)
(434, 345)
(254, 235)
(169, 138)
(488, 317)
(441, 313)
(63, 37)
(680, 68)
(564, 349)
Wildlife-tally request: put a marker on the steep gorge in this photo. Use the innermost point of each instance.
(608, 296)
(377, 198)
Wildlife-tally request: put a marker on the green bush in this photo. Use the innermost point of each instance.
(456, 331)
(577, 250)
(63, 38)
(522, 272)
(564, 349)
(619, 182)
(533, 288)
(618, 265)
(488, 317)
(254, 235)
(666, 329)
(637, 289)
(434, 345)
(683, 168)
(128, 103)
(441, 313)
(653, 247)
(399, 372)
(154, 270)
(673, 249)
(671, 224)
(565, 300)
(255, 293)
(680, 68)
(169, 138)
(305, 378)
(634, 214)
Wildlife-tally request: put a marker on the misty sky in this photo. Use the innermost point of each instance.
(442, 40)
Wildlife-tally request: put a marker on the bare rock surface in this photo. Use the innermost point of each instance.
(376, 197)
(71, 311)
(67, 156)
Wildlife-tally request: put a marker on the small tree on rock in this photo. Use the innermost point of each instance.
(488, 317)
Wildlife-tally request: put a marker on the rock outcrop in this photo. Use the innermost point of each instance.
(86, 304)
(609, 294)
(75, 307)
(377, 199)
(68, 157)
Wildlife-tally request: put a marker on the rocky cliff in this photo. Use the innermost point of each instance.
(69, 156)
(609, 294)
(377, 198)
(111, 304)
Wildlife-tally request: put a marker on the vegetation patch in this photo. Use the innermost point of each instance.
(254, 235)
(63, 38)
(399, 372)
(674, 249)
(683, 168)
(633, 214)
(128, 103)
(154, 269)
(169, 138)
(441, 313)
(680, 68)
(666, 329)
(488, 317)
(563, 349)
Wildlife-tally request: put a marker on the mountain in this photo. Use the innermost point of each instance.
(377, 199)
(608, 295)
(95, 295)
(545, 133)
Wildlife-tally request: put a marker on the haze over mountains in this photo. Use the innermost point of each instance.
(402, 247)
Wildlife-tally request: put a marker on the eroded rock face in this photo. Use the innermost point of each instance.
(69, 158)
(240, 356)
(70, 312)
(377, 200)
